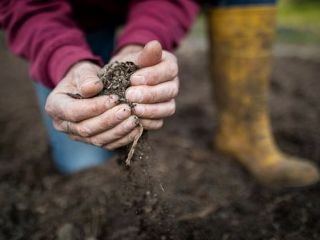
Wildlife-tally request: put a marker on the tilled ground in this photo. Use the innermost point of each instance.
(185, 190)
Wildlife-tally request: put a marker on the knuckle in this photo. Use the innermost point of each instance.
(95, 106)
(81, 71)
(173, 69)
(151, 78)
(57, 125)
(139, 109)
(172, 108)
(119, 134)
(96, 141)
(159, 124)
(48, 107)
(152, 112)
(83, 131)
(110, 147)
(148, 77)
(151, 96)
(174, 91)
(70, 114)
(152, 124)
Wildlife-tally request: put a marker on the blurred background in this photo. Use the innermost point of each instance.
(298, 24)
(206, 195)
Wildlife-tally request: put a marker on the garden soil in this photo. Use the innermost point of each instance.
(183, 189)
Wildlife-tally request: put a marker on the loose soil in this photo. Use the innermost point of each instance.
(116, 78)
(183, 190)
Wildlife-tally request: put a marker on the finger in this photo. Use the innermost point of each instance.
(153, 94)
(162, 72)
(79, 139)
(63, 126)
(150, 55)
(152, 124)
(129, 138)
(87, 81)
(111, 135)
(96, 125)
(156, 110)
(74, 110)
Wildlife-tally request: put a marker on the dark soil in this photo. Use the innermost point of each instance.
(184, 190)
(116, 78)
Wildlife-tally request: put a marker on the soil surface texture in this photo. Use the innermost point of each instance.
(182, 190)
(116, 78)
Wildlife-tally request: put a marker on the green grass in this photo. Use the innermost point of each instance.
(299, 21)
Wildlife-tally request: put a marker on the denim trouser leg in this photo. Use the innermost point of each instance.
(71, 156)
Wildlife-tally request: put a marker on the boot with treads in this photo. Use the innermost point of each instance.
(241, 40)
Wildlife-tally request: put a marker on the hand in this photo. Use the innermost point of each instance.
(154, 85)
(99, 120)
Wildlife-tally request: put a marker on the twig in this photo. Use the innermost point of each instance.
(133, 146)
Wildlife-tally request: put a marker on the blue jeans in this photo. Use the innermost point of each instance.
(71, 156)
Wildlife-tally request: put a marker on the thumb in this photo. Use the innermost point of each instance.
(151, 54)
(87, 81)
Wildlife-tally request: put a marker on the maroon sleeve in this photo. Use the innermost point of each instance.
(164, 20)
(44, 33)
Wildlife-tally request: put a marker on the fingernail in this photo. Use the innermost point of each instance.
(138, 109)
(134, 95)
(111, 100)
(114, 98)
(134, 122)
(138, 79)
(122, 113)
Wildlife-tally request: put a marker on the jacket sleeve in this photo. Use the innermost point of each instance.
(44, 33)
(164, 20)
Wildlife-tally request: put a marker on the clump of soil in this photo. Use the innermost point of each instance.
(116, 78)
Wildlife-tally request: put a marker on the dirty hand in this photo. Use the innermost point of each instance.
(154, 85)
(99, 120)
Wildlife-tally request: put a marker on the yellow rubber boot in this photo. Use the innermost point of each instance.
(241, 40)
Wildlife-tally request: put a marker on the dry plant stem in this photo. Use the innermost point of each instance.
(134, 145)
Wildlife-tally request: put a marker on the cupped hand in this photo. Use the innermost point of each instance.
(98, 120)
(154, 86)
